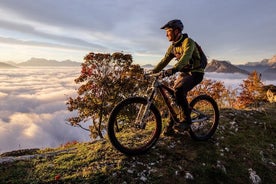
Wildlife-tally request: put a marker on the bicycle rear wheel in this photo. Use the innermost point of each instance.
(205, 117)
(126, 131)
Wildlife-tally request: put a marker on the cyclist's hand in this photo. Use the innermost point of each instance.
(169, 72)
(148, 72)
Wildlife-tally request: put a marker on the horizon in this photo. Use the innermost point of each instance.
(235, 31)
(65, 60)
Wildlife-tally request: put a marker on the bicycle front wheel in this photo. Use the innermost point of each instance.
(128, 132)
(205, 117)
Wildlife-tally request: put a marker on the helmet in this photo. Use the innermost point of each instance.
(174, 24)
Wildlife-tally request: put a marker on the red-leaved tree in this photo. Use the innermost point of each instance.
(105, 80)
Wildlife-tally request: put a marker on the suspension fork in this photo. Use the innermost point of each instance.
(144, 112)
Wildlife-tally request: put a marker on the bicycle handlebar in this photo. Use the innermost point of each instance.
(158, 74)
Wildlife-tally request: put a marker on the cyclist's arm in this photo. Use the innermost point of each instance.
(165, 61)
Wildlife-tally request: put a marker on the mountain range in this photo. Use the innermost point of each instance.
(267, 67)
(39, 62)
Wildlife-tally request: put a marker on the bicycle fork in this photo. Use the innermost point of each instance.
(144, 111)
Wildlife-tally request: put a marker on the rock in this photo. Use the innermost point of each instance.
(255, 179)
(12, 155)
(189, 176)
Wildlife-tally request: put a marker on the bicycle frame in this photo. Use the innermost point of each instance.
(158, 86)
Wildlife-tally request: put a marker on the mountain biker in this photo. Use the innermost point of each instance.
(184, 50)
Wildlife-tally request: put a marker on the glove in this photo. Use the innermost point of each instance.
(169, 72)
(148, 72)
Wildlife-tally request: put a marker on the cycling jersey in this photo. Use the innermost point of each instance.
(185, 52)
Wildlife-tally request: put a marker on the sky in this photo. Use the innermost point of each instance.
(238, 31)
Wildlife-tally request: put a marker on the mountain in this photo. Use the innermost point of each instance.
(272, 61)
(267, 67)
(5, 65)
(149, 66)
(269, 73)
(223, 67)
(250, 68)
(264, 62)
(40, 62)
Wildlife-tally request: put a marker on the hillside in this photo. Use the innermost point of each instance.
(242, 151)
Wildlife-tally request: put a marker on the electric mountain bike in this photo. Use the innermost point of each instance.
(135, 124)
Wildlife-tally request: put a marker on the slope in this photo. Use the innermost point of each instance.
(243, 148)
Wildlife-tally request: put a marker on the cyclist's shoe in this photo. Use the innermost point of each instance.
(169, 131)
(182, 126)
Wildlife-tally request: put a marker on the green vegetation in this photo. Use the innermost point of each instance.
(243, 144)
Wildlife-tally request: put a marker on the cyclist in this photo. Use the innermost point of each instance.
(184, 50)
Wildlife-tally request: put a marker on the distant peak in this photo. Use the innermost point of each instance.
(45, 62)
(272, 60)
(223, 67)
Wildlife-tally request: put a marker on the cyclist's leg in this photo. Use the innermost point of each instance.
(168, 131)
(182, 86)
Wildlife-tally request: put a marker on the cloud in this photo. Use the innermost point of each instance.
(229, 79)
(32, 34)
(29, 130)
(233, 30)
(233, 80)
(33, 110)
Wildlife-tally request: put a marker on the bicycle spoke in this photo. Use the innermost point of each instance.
(204, 117)
(133, 130)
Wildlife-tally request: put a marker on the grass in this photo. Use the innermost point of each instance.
(244, 140)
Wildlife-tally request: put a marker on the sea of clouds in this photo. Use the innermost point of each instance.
(233, 80)
(33, 109)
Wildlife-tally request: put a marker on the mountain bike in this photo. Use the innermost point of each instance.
(135, 124)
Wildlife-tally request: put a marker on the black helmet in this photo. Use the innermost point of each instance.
(174, 24)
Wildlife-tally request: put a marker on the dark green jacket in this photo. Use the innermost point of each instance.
(186, 54)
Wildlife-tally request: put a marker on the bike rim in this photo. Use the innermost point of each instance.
(128, 132)
(203, 118)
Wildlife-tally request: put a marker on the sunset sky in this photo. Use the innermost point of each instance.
(239, 31)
